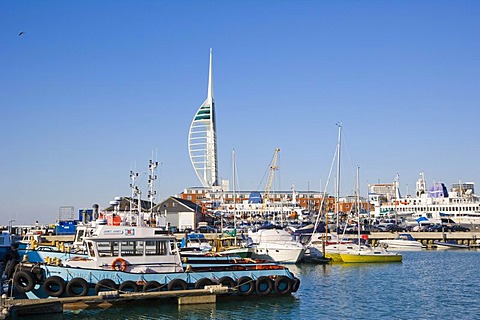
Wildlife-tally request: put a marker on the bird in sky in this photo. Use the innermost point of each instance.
(21, 33)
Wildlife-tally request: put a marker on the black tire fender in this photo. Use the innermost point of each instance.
(177, 284)
(128, 286)
(227, 282)
(200, 284)
(54, 286)
(245, 286)
(264, 285)
(105, 285)
(24, 281)
(283, 285)
(74, 285)
(152, 286)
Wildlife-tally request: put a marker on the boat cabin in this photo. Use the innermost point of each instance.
(130, 249)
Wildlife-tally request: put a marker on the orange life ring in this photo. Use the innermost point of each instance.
(119, 263)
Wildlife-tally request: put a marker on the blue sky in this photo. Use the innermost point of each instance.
(92, 88)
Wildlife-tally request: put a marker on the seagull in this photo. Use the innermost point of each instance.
(21, 33)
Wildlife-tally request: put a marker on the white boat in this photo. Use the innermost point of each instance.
(437, 203)
(370, 255)
(276, 245)
(404, 241)
(451, 244)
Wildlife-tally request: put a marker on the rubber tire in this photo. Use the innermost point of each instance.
(280, 281)
(242, 281)
(24, 281)
(177, 284)
(74, 284)
(200, 284)
(296, 284)
(10, 268)
(53, 282)
(152, 286)
(128, 286)
(261, 282)
(227, 281)
(105, 285)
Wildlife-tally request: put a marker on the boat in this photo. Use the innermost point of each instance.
(5, 246)
(365, 253)
(276, 245)
(132, 259)
(437, 204)
(369, 255)
(450, 244)
(404, 241)
(229, 246)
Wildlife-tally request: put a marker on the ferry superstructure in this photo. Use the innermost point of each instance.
(437, 203)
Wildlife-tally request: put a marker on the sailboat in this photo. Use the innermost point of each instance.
(363, 253)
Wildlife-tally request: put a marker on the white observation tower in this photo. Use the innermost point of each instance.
(202, 138)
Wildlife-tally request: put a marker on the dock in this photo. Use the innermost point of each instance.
(17, 307)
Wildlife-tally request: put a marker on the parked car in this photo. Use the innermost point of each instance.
(394, 228)
(438, 228)
(457, 227)
(205, 229)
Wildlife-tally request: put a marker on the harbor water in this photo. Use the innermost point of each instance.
(426, 285)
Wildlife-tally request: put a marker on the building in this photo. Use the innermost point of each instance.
(178, 214)
(202, 139)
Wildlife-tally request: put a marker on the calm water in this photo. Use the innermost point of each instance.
(427, 285)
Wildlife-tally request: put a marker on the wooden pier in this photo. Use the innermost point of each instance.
(16, 307)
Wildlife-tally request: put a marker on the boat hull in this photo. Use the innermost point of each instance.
(360, 257)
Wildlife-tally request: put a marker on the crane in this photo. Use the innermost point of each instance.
(272, 168)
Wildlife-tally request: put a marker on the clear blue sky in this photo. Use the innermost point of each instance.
(93, 87)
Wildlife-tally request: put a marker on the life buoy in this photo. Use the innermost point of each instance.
(283, 285)
(119, 264)
(200, 284)
(263, 285)
(54, 286)
(152, 286)
(128, 286)
(177, 284)
(24, 281)
(227, 282)
(105, 285)
(245, 286)
(77, 287)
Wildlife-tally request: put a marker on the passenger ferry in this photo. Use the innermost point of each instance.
(436, 204)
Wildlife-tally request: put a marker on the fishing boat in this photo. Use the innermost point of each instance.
(404, 241)
(132, 259)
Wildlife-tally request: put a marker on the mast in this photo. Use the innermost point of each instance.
(234, 195)
(337, 187)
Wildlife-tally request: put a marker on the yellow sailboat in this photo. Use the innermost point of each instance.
(367, 254)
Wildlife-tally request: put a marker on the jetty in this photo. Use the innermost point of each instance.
(17, 307)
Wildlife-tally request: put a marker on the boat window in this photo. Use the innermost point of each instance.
(90, 249)
(156, 248)
(2, 241)
(79, 236)
(132, 248)
(107, 248)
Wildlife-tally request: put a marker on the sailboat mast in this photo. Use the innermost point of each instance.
(358, 202)
(234, 195)
(337, 187)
